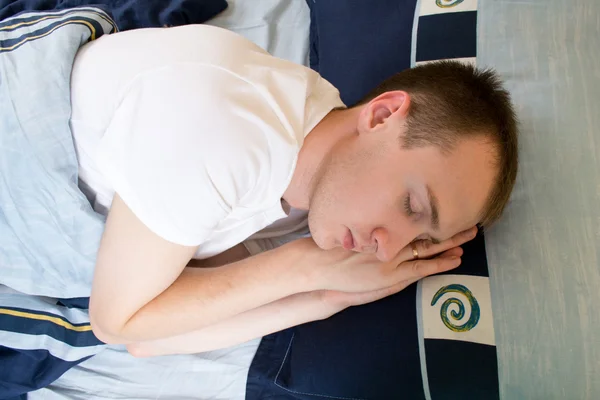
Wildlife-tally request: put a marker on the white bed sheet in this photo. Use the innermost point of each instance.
(282, 28)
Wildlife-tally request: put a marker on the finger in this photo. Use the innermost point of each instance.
(421, 268)
(453, 252)
(369, 297)
(426, 248)
(450, 254)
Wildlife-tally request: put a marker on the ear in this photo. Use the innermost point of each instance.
(387, 108)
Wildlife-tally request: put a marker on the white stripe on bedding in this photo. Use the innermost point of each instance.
(55, 347)
(413, 49)
(12, 298)
(46, 18)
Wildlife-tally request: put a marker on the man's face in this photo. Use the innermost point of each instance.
(375, 196)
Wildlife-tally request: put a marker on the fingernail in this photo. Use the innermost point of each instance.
(455, 260)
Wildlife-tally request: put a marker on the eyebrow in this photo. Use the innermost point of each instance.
(435, 215)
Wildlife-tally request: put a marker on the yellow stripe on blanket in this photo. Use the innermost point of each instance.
(27, 39)
(44, 317)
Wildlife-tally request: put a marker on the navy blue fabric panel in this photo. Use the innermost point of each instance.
(349, 37)
(23, 371)
(447, 35)
(313, 45)
(266, 365)
(474, 366)
(474, 259)
(367, 352)
(129, 14)
(82, 303)
(83, 337)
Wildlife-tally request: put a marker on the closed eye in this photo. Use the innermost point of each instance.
(412, 213)
(427, 237)
(407, 207)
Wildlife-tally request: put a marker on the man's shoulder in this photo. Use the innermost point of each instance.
(163, 46)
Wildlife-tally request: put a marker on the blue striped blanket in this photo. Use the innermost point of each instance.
(48, 231)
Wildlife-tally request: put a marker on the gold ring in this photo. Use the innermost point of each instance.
(415, 251)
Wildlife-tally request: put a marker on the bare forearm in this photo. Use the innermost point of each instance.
(201, 297)
(279, 315)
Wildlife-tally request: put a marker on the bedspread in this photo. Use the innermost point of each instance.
(48, 230)
(129, 14)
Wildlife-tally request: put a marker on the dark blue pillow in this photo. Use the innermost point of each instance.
(386, 350)
(355, 44)
(378, 352)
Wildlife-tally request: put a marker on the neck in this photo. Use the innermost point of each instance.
(316, 150)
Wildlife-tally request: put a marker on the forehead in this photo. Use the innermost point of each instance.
(461, 180)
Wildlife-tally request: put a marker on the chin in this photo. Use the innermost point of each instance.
(320, 236)
(329, 246)
(322, 242)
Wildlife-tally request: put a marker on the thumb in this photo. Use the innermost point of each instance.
(415, 270)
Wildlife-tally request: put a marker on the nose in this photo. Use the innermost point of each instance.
(389, 244)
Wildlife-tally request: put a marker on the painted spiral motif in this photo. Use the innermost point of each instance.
(457, 315)
(447, 3)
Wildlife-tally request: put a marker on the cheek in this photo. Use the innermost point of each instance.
(372, 207)
(357, 191)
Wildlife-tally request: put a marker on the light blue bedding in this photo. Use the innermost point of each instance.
(48, 230)
(49, 234)
(281, 27)
(544, 255)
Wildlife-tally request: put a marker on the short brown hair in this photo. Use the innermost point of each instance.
(450, 101)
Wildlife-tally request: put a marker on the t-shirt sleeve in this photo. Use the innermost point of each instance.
(181, 153)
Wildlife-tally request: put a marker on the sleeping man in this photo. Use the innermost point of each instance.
(193, 140)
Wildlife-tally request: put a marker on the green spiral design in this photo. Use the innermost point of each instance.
(447, 3)
(457, 315)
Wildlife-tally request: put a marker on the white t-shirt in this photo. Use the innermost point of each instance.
(196, 128)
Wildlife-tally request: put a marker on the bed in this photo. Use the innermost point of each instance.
(543, 257)
(281, 27)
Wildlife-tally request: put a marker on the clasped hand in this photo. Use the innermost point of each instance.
(344, 278)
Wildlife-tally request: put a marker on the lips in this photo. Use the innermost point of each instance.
(348, 242)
